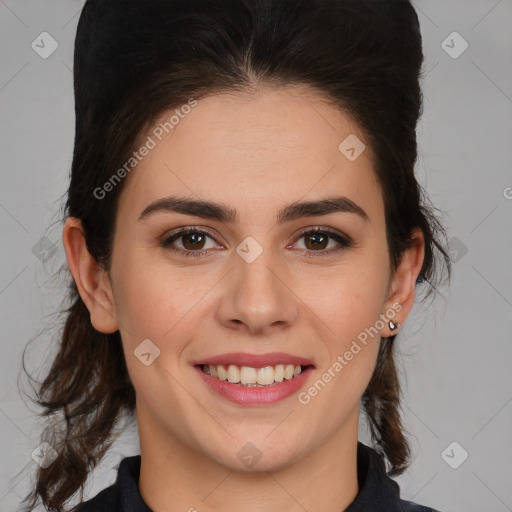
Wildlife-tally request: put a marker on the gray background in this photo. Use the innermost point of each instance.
(456, 355)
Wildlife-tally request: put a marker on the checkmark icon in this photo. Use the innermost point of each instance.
(454, 45)
(454, 455)
(44, 45)
(351, 147)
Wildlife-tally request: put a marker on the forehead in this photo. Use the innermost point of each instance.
(252, 150)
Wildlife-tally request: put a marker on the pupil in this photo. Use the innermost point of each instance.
(196, 237)
(316, 237)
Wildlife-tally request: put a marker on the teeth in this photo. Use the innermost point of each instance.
(233, 374)
(222, 374)
(247, 375)
(265, 376)
(288, 372)
(253, 377)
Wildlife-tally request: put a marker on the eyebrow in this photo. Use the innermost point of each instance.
(220, 212)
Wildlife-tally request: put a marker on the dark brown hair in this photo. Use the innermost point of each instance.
(363, 56)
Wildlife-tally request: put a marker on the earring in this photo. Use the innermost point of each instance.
(393, 326)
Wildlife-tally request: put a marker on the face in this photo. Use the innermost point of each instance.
(257, 290)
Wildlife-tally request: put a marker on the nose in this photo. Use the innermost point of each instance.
(258, 297)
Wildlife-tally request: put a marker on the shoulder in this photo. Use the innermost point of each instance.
(377, 490)
(123, 495)
(409, 506)
(104, 501)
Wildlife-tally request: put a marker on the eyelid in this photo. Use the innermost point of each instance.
(324, 229)
(341, 238)
(185, 230)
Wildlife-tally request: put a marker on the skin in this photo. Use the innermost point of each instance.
(285, 150)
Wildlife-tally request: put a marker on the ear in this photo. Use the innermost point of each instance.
(90, 277)
(402, 285)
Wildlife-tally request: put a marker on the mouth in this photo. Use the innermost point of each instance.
(254, 377)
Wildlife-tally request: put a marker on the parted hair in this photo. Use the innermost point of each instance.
(135, 60)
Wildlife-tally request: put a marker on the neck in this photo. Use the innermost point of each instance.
(177, 477)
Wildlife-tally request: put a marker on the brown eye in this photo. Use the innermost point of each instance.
(192, 242)
(316, 241)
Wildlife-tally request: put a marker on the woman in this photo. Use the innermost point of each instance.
(245, 235)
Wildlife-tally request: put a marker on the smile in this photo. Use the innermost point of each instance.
(254, 380)
(253, 377)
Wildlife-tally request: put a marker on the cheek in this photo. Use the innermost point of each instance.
(349, 298)
(149, 299)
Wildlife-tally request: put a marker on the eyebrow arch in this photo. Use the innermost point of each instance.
(220, 212)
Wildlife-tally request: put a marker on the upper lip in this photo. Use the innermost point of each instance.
(255, 360)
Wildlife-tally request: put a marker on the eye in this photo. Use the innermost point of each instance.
(192, 241)
(316, 241)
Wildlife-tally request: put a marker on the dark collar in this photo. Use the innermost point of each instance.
(377, 491)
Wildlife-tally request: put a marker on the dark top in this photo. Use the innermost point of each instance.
(377, 491)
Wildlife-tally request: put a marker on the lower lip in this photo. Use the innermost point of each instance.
(255, 396)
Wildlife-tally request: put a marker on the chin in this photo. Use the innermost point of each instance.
(254, 456)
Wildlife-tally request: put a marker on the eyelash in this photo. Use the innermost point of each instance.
(344, 241)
